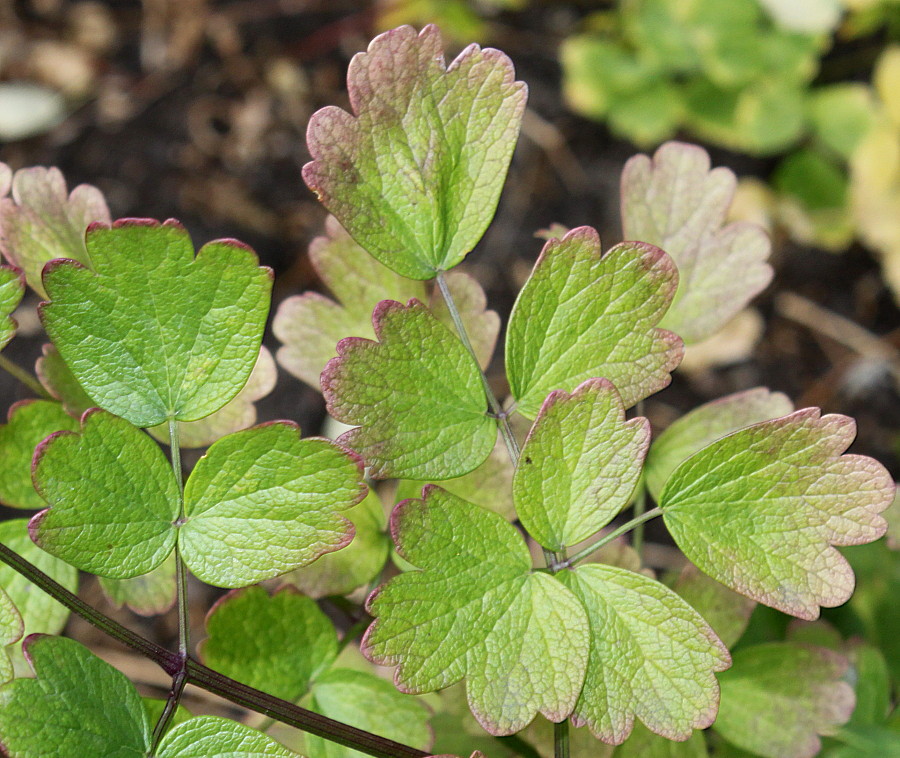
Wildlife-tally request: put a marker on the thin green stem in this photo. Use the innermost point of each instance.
(623, 529)
(561, 739)
(184, 626)
(212, 681)
(178, 682)
(23, 376)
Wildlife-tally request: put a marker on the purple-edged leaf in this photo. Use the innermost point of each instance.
(262, 502)
(778, 698)
(310, 325)
(112, 495)
(30, 421)
(150, 594)
(482, 326)
(727, 612)
(579, 466)
(582, 315)
(414, 174)
(416, 393)
(41, 222)
(151, 332)
(475, 611)
(652, 657)
(760, 509)
(675, 201)
(703, 425)
(12, 287)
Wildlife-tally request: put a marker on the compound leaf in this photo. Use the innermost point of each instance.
(40, 612)
(276, 643)
(652, 657)
(29, 422)
(12, 628)
(147, 595)
(151, 332)
(77, 705)
(262, 502)
(580, 464)
(341, 572)
(12, 287)
(779, 697)
(417, 394)
(310, 325)
(727, 612)
(214, 737)
(112, 495)
(581, 316)
(759, 510)
(711, 421)
(41, 222)
(475, 611)
(414, 174)
(675, 201)
(368, 702)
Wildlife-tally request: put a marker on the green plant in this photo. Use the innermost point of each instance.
(756, 495)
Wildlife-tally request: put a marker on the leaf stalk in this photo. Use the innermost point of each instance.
(16, 371)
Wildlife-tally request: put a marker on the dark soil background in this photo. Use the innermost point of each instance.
(197, 110)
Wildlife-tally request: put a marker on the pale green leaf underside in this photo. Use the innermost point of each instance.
(151, 332)
(262, 502)
(367, 702)
(652, 657)
(675, 202)
(344, 570)
(112, 495)
(414, 174)
(779, 697)
(12, 287)
(476, 612)
(77, 706)
(310, 325)
(41, 221)
(579, 466)
(760, 509)
(40, 612)
(416, 394)
(29, 422)
(703, 425)
(276, 643)
(727, 612)
(582, 316)
(214, 737)
(147, 595)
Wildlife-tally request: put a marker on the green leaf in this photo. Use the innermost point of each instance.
(262, 502)
(704, 425)
(59, 381)
(842, 115)
(652, 657)
(214, 737)
(482, 326)
(727, 612)
(779, 697)
(676, 202)
(41, 222)
(12, 287)
(476, 611)
(759, 510)
(77, 706)
(12, 628)
(417, 394)
(310, 325)
(806, 16)
(873, 686)
(147, 595)
(29, 422)
(489, 485)
(113, 498)
(644, 744)
(368, 702)
(581, 316)
(414, 174)
(579, 466)
(276, 643)
(238, 413)
(649, 115)
(155, 707)
(40, 612)
(149, 331)
(343, 571)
